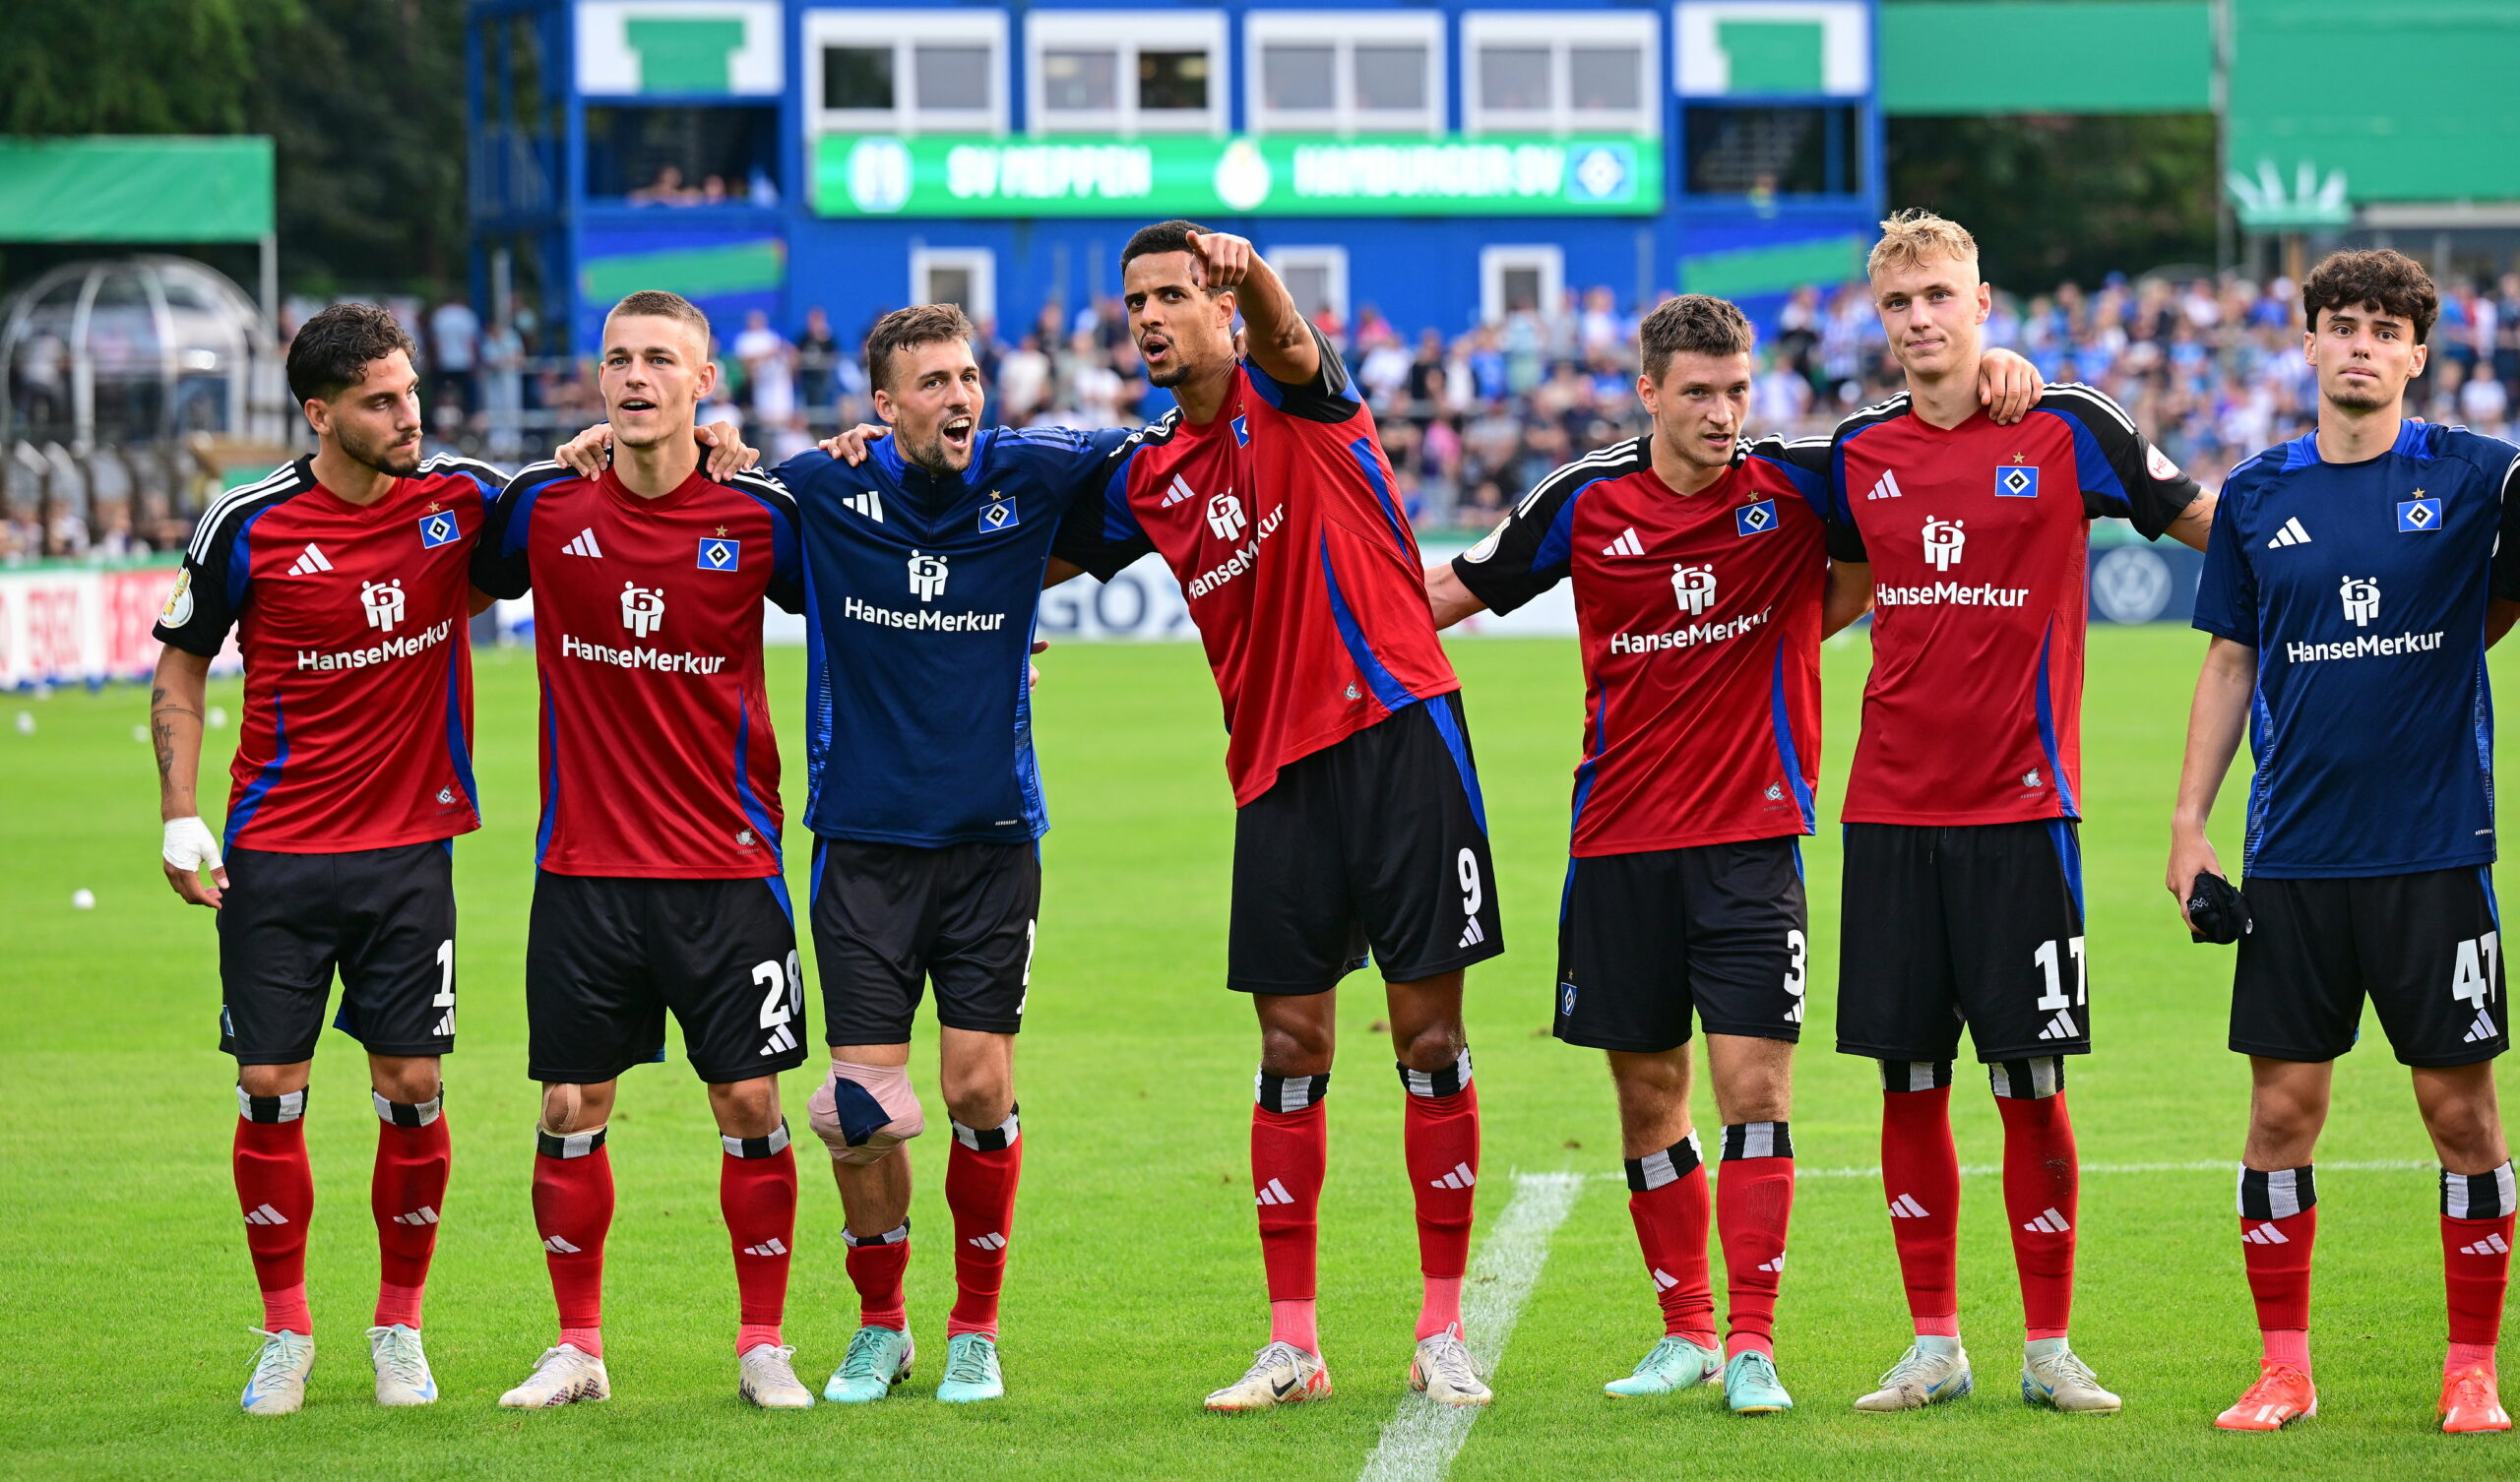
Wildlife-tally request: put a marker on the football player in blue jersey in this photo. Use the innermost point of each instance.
(2354, 580)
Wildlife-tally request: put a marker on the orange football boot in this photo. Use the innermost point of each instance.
(2282, 1395)
(2469, 1402)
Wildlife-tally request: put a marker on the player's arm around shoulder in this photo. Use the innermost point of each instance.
(501, 567)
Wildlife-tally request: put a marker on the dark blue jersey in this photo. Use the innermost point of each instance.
(2362, 586)
(919, 599)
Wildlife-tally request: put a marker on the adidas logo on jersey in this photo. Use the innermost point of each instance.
(584, 545)
(558, 1247)
(1775, 1267)
(2050, 1223)
(1664, 1281)
(1905, 1207)
(264, 1214)
(2266, 1235)
(309, 561)
(2481, 1030)
(2059, 1027)
(423, 1215)
(1471, 935)
(992, 1241)
(1460, 1178)
(869, 503)
(1176, 492)
(1274, 1193)
(780, 1039)
(1886, 488)
(1625, 546)
(2290, 534)
(771, 1247)
(2491, 1244)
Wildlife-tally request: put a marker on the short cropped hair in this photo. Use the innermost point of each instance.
(657, 303)
(1916, 235)
(333, 348)
(1163, 236)
(904, 328)
(1693, 324)
(2390, 280)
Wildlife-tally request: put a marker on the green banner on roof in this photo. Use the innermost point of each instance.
(1085, 175)
(109, 189)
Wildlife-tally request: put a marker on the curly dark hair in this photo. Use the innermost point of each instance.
(1693, 324)
(904, 328)
(333, 348)
(2390, 280)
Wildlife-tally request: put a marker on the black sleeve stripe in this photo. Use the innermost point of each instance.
(445, 462)
(1878, 412)
(2084, 396)
(765, 485)
(204, 531)
(1607, 463)
(532, 475)
(1334, 371)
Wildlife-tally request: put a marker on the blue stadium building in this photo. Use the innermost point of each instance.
(1443, 164)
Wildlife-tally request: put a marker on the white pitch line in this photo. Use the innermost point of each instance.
(1423, 1437)
(1982, 1170)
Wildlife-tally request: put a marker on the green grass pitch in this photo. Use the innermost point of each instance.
(1135, 1283)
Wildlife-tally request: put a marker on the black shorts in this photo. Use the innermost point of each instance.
(1644, 939)
(890, 917)
(383, 918)
(2426, 947)
(1378, 841)
(1979, 924)
(605, 957)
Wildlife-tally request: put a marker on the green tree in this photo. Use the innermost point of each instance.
(126, 67)
(2052, 198)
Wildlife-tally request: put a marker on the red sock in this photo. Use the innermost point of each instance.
(2042, 1186)
(2476, 1260)
(1289, 1155)
(572, 1211)
(980, 1173)
(1439, 1136)
(276, 1188)
(757, 1196)
(875, 1266)
(2279, 1224)
(1753, 1202)
(1920, 1175)
(1667, 1201)
(406, 1192)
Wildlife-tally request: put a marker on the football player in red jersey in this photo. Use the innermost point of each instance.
(1702, 591)
(1963, 875)
(1359, 821)
(345, 578)
(658, 879)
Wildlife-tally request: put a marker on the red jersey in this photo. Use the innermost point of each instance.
(1978, 538)
(1279, 519)
(1700, 618)
(657, 758)
(357, 724)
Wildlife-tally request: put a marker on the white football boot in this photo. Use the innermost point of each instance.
(563, 1376)
(1279, 1374)
(765, 1377)
(1921, 1379)
(403, 1375)
(279, 1385)
(2060, 1381)
(1442, 1371)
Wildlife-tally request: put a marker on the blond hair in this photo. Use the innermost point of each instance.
(1916, 235)
(657, 303)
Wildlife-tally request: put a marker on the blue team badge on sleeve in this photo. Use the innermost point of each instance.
(2422, 513)
(1754, 518)
(2017, 481)
(998, 515)
(437, 527)
(1241, 431)
(717, 554)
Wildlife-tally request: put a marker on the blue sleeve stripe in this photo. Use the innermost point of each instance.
(1811, 486)
(744, 795)
(1557, 542)
(2094, 475)
(785, 556)
(250, 801)
(1387, 688)
(550, 781)
(1782, 719)
(2047, 728)
(240, 562)
(457, 749)
(1362, 450)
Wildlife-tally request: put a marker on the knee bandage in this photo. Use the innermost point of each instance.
(865, 1111)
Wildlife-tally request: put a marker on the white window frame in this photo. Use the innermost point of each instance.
(904, 30)
(1332, 260)
(1343, 32)
(1494, 264)
(1561, 31)
(980, 262)
(1126, 32)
